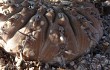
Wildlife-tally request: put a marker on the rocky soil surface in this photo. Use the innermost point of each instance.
(98, 58)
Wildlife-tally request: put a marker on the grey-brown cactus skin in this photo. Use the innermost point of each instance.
(49, 32)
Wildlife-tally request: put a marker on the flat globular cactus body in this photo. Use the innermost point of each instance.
(49, 31)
